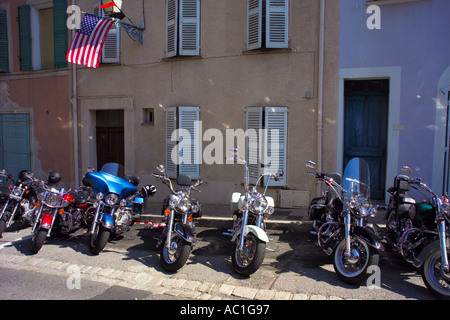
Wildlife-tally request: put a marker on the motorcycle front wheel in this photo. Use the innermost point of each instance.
(436, 279)
(174, 258)
(353, 269)
(99, 239)
(248, 260)
(38, 239)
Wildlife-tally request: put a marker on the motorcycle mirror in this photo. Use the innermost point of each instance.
(407, 169)
(280, 173)
(199, 182)
(90, 169)
(311, 164)
(161, 168)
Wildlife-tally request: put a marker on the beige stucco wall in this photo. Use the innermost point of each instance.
(224, 81)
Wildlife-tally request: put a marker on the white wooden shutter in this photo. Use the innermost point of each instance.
(171, 146)
(254, 24)
(277, 23)
(189, 120)
(189, 35)
(111, 47)
(254, 123)
(275, 143)
(171, 28)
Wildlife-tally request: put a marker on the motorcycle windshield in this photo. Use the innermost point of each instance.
(115, 169)
(356, 180)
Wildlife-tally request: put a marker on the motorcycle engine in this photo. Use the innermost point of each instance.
(122, 219)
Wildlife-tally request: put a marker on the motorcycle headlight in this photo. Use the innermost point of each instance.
(99, 196)
(184, 205)
(53, 200)
(17, 191)
(111, 199)
(173, 202)
(260, 204)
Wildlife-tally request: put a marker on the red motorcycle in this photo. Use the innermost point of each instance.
(59, 213)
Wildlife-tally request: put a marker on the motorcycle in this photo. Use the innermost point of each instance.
(420, 231)
(248, 234)
(328, 207)
(50, 208)
(180, 208)
(117, 196)
(19, 204)
(353, 244)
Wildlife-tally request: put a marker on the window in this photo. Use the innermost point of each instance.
(111, 47)
(183, 141)
(182, 28)
(267, 24)
(148, 116)
(46, 25)
(266, 150)
(4, 59)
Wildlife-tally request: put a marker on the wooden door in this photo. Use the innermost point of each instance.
(365, 128)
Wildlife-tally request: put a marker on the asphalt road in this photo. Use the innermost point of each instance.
(294, 268)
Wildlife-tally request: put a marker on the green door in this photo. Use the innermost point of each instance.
(15, 148)
(365, 128)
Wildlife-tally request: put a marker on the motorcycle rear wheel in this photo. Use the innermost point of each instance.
(38, 239)
(247, 261)
(353, 269)
(98, 240)
(436, 280)
(174, 258)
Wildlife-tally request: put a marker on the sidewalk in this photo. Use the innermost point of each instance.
(220, 216)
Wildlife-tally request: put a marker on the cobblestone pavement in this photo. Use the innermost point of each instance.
(294, 267)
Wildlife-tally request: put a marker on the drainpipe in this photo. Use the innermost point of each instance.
(320, 91)
(74, 101)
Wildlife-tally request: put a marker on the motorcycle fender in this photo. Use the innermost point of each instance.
(47, 219)
(185, 232)
(258, 232)
(368, 237)
(107, 221)
(429, 249)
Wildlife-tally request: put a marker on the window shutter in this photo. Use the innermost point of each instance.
(4, 61)
(254, 24)
(189, 27)
(25, 38)
(111, 47)
(254, 124)
(275, 143)
(190, 162)
(171, 146)
(60, 32)
(277, 24)
(171, 28)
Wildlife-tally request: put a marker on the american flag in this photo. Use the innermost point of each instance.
(87, 44)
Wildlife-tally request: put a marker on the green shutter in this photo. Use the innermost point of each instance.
(60, 32)
(25, 38)
(4, 62)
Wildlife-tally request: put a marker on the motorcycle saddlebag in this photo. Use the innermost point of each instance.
(316, 208)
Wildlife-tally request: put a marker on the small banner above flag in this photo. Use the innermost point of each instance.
(107, 5)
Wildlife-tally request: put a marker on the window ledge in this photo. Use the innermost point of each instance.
(383, 2)
(267, 51)
(181, 58)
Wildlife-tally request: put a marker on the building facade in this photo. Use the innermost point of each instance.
(394, 83)
(35, 117)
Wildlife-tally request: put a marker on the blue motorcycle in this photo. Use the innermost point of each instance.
(118, 202)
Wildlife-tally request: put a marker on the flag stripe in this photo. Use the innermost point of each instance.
(87, 44)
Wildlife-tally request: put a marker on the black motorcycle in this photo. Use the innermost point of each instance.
(419, 231)
(19, 204)
(179, 233)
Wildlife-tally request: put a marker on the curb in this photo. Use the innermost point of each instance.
(155, 284)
